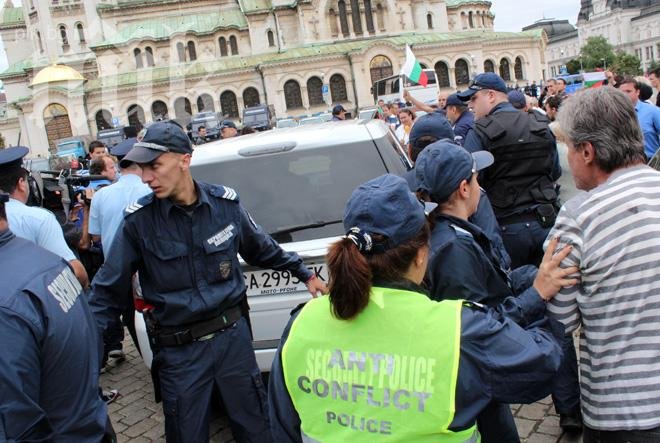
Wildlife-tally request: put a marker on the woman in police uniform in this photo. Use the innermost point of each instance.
(377, 359)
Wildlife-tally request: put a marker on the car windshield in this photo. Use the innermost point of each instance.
(253, 118)
(299, 188)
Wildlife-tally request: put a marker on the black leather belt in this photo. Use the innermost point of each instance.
(184, 335)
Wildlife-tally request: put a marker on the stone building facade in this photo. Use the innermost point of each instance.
(134, 61)
(632, 26)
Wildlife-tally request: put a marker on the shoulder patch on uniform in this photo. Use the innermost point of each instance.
(229, 193)
(138, 204)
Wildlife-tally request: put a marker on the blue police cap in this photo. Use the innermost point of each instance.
(122, 148)
(227, 124)
(517, 99)
(338, 109)
(487, 80)
(453, 100)
(433, 124)
(443, 165)
(159, 138)
(12, 157)
(385, 206)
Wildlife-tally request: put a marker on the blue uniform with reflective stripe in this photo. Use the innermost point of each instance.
(187, 258)
(49, 358)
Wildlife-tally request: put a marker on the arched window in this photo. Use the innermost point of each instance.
(518, 69)
(505, 72)
(233, 44)
(205, 103)
(138, 58)
(149, 53)
(380, 67)
(442, 74)
(223, 46)
(368, 15)
(103, 120)
(314, 91)
(489, 66)
(39, 42)
(380, 15)
(461, 72)
(159, 111)
(483, 19)
(63, 36)
(228, 104)
(343, 19)
(136, 116)
(292, 95)
(338, 89)
(355, 15)
(81, 33)
(271, 38)
(182, 111)
(429, 20)
(56, 122)
(181, 51)
(192, 54)
(470, 20)
(250, 97)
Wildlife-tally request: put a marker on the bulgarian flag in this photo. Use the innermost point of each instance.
(413, 70)
(593, 79)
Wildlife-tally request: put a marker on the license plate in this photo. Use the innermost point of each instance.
(271, 282)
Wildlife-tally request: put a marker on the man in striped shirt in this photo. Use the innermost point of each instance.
(615, 232)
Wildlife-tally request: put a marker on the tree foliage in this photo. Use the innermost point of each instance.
(626, 64)
(597, 53)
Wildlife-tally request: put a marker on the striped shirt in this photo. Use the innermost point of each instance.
(615, 233)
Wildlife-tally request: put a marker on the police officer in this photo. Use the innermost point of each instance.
(201, 137)
(460, 117)
(378, 359)
(521, 182)
(338, 113)
(434, 127)
(228, 129)
(49, 359)
(184, 239)
(35, 224)
(464, 263)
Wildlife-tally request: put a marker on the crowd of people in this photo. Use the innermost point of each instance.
(454, 293)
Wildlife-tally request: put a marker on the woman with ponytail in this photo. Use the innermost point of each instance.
(376, 359)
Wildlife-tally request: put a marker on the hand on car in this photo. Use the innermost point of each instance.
(551, 277)
(316, 287)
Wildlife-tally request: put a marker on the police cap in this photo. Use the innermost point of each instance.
(443, 165)
(122, 148)
(12, 158)
(434, 125)
(487, 80)
(159, 138)
(385, 206)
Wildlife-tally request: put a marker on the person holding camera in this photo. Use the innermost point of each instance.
(31, 223)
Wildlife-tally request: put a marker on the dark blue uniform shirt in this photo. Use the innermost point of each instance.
(186, 258)
(49, 352)
(464, 265)
(508, 359)
(462, 126)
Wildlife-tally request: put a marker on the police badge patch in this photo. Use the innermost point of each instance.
(225, 269)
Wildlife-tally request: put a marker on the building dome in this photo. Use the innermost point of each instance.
(56, 73)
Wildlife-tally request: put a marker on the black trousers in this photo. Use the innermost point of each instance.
(634, 436)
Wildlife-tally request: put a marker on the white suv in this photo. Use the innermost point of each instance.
(295, 183)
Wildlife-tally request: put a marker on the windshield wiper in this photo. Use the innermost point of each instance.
(294, 228)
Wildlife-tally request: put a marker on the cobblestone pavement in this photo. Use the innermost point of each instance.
(137, 418)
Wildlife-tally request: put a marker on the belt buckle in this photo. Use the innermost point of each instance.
(182, 337)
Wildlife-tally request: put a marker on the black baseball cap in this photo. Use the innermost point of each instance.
(487, 80)
(159, 138)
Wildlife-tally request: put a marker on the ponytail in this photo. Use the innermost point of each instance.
(350, 279)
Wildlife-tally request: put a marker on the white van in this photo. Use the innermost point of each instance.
(389, 89)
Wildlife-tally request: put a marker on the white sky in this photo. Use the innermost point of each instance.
(510, 15)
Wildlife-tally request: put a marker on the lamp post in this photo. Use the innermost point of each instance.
(581, 68)
(604, 64)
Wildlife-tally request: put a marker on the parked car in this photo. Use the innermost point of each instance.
(111, 137)
(295, 182)
(286, 123)
(260, 117)
(310, 120)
